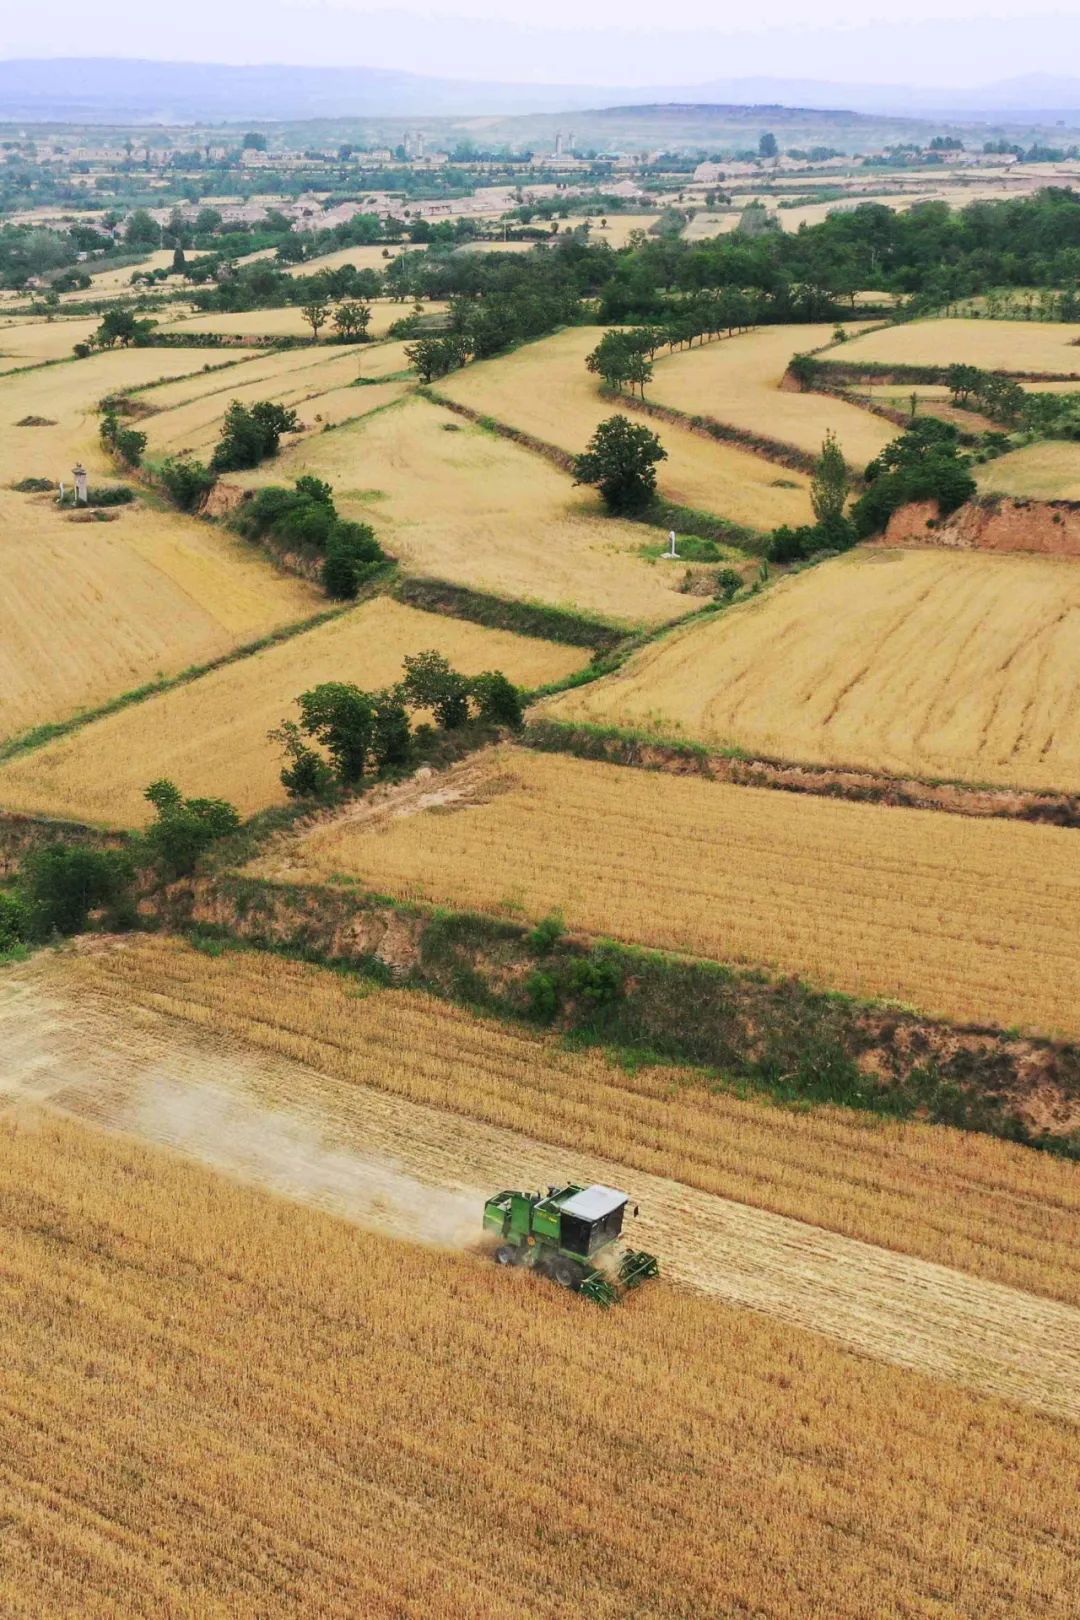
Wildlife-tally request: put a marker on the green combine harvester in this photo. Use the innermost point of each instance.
(571, 1235)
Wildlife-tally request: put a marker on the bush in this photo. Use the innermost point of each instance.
(923, 464)
(187, 483)
(184, 828)
(728, 581)
(305, 775)
(34, 486)
(115, 495)
(430, 683)
(129, 445)
(497, 699)
(12, 921)
(251, 434)
(353, 555)
(61, 884)
(547, 933)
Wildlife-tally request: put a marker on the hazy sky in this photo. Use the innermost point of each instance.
(932, 42)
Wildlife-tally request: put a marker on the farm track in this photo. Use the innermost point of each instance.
(420, 1173)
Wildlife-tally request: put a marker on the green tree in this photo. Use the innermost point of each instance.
(351, 320)
(830, 485)
(60, 884)
(767, 147)
(962, 381)
(305, 774)
(430, 683)
(141, 231)
(342, 718)
(254, 142)
(315, 312)
(186, 482)
(251, 434)
(497, 699)
(621, 460)
(391, 739)
(184, 828)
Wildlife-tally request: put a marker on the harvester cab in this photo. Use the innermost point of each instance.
(573, 1235)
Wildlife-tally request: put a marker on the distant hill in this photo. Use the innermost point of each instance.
(112, 90)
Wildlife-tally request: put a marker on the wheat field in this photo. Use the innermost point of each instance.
(289, 321)
(544, 389)
(305, 1416)
(455, 502)
(210, 734)
(975, 921)
(1048, 346)
(737, 381)
(25, 342)
(947, 665)
(990, 1208)
(88, 611)
(1049, 471)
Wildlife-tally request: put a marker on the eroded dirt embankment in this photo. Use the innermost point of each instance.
(417, 1172)
(1005, 523)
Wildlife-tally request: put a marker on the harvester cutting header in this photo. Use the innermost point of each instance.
(572, 1234)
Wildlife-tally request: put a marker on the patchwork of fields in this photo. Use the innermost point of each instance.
(949, 664)
(544, 389)
(737, 381)
(458, 503)
(210, 734)
(88, 610)
(975, 921)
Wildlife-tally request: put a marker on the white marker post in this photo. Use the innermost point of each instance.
(671, 552)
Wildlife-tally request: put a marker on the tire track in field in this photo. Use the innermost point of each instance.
(415, 1172)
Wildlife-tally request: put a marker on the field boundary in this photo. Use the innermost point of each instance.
(778, 451)
(615, 745)
(777, 1035)
(524, 618)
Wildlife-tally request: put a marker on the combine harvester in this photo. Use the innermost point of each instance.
(571, 1235)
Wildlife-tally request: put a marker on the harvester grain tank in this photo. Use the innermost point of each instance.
(573, 1235)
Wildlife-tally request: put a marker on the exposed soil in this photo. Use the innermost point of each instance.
(1043, 528)
(419, 1173)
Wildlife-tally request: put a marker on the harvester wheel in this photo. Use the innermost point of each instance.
(505, 1255)
(566, 1274)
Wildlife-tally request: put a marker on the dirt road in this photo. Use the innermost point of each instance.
(422, 1174)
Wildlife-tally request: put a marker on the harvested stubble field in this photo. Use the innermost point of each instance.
(951, 664)
(372, 257)
(976, 921)
(1048, 346)
(458, 503)
(289, 321)
(29, 342)
(312, 1418)
(544, 389)
(88, 610)
(158, 1059)
(321, 391)
(987, 1207)
(210, 734)
(737, 381)
(1047, 471)
(67, 397)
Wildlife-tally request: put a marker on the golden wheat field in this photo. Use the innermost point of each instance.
(66, 397)
(372, 1154)
(88, 611)
(373, 257)
(30, 342)
(210, 734)
(950, 664)
(737, 381)
(616, 233)
(544, 389)
(1049, 471)
(277, 369)
(968, 920)
(322, 392)
(987, 1207)
(310, 1417)
(290, 322)
(458, 503)
(1044, 346)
